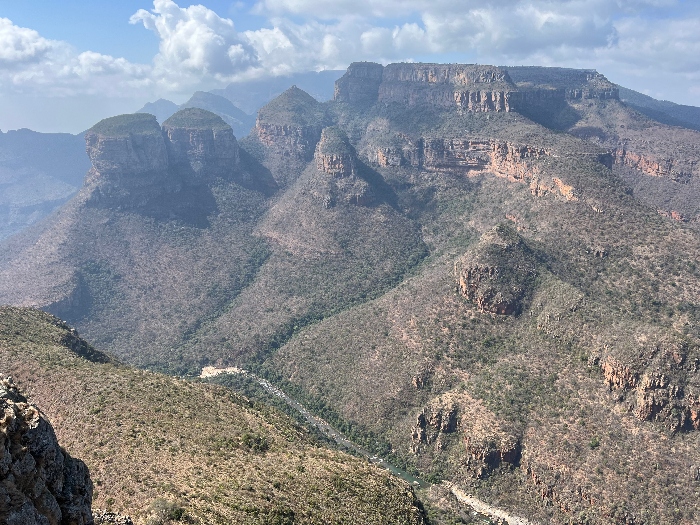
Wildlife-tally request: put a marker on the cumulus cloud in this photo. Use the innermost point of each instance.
(199, 49)
(195, 44)
(30, 62)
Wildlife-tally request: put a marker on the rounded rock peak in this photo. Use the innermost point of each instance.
(125, 125)
(196, 118)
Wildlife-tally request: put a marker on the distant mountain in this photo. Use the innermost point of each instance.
(38, 173)
(478, 272)
(252, 95)
(161, 108)
(662, 110)
(240, 122)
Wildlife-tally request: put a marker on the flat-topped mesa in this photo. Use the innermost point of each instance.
(466, 86)
(202, 143)
(573, 84)
(360, 83)
(291, 124)
(125, 146)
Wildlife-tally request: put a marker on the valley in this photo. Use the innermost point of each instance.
(485, 276)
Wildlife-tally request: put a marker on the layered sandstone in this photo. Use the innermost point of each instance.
(291, 124)
(39, 482)
(337, 179)
(465, 86)
(676, 169)
(134, 160)
(573, 84)
(203, 143)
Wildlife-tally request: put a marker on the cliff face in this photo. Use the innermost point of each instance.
(196, 140)
(676, 169)
(134, 160)
(468, 87)
(39, 482)
(497, 275)
(291, 125)
(337, 167)
(574, 84)
(360, 83)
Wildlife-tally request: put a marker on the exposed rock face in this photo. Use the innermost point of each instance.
(336, 163)
(431, 423)
(498, 273)
(572, 83)
(678, 170)
(360, 83)
(134, 160)
(653, 395)
(204, 144)
(291, 124)
(39, 483)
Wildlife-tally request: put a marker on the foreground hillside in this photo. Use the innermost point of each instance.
(155, 444)
(457, 264)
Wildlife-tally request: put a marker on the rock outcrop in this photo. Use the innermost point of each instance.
(337, 179)
(432, 423)
(573, 84)
(201, 142)
(465, 86)
(135, 161)
(291, 124)
(39, 482)
(677, 169)
(498, 274)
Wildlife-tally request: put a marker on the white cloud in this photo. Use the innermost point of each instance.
(196, 44)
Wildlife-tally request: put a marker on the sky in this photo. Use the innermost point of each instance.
(66, 65)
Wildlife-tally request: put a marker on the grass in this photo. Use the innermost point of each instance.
(196, 118)
(124, 125)
(162, 449)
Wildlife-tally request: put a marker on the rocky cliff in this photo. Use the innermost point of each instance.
(498, 274)
(573, 84)
(201, 142)
(468, 87)
(291, 124)
(39, 482)
(135, 161)
(338, 180)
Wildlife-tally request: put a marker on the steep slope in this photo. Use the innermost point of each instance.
(155, 444)
(39, 482)
(660, 162)
(662, 110)
(162, 109)
(475, 292)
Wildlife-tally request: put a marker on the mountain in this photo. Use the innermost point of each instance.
(471, 269)
(662, 110)
(253, 94)
(38, 173)
(240, 122)
(160, 448)
(161, 108)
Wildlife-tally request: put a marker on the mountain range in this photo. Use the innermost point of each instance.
(485, 274)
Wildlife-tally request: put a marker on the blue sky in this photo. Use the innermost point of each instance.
(65, 65)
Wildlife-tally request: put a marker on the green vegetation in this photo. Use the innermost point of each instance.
(167, 451)
(129, 124)
(294, 107)
(196, 118)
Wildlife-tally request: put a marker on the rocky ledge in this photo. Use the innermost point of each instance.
(39, 482)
